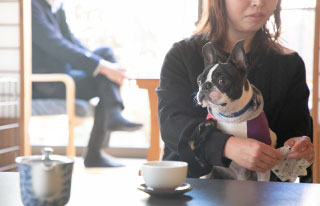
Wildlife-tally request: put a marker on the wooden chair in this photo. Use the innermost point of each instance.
(69, 103)
(154, 151)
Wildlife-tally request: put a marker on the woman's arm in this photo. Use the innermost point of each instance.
(294, 118)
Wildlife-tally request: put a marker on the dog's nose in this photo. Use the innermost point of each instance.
(207, 86)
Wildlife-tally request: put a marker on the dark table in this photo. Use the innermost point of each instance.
(113, 187)
(245, 193)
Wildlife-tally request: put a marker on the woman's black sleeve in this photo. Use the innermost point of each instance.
(294, 119)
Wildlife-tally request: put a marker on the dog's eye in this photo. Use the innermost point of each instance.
(222, 81)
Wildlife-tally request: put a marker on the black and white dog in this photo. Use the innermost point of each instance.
(235, 104)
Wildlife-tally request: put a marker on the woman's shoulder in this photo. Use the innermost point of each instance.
(286, 57)
(286, 64)
(285, 54)
(190, 45)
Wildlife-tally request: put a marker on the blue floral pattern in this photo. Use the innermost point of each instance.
(28, 196)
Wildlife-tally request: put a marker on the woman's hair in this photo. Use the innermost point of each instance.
(213, 26)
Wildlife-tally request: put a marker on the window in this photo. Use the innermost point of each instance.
(140, 33)
(298, 32)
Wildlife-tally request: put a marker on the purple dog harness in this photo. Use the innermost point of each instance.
(257, 128)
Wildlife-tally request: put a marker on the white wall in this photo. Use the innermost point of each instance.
(9, 58)
(9, 38)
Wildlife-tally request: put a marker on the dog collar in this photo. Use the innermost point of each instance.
(236, 114)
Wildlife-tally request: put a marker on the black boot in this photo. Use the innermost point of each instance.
(107, 118)
(94, 156)
(99, 160)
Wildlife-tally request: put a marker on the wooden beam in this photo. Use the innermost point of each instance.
(315, 96)
(25, 72)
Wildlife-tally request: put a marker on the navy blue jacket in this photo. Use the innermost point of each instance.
(55, 49)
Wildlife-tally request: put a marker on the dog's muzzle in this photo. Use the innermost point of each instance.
(209, 95)
(200, 98)
(205, 89)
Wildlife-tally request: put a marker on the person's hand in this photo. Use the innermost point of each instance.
(301, 147)
(252, 154)
(113, 71)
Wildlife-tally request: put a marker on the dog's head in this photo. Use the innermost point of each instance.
(223, 83)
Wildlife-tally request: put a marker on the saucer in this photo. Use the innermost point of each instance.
(185, 187)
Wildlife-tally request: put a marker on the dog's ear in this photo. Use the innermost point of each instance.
(209, 54)
(238, 55)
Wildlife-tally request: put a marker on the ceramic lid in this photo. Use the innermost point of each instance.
(46, 158)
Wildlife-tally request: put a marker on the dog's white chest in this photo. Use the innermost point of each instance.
(238, 129)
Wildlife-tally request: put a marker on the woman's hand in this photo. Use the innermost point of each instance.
(252, 154)
(301, 147)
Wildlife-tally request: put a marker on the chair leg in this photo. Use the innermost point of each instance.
(71, 151)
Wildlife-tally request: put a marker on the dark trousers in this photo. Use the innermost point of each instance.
(88, 87)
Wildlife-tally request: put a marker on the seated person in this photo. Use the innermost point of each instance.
(182, 121)
(96, 74)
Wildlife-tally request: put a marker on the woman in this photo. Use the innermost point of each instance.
(277, 72)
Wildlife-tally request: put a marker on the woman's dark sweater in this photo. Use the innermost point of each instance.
(281, 79)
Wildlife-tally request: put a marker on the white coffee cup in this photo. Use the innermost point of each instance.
(164, 174)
